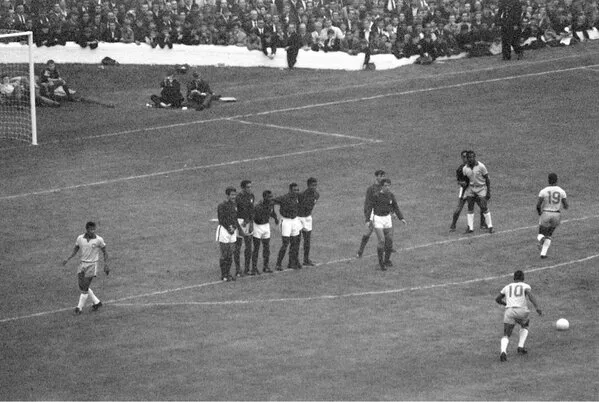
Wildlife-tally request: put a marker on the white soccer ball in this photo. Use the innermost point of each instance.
(184, 108)
(6, 89)
(562, 324)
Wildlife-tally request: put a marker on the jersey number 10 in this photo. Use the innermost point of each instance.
(517, 291)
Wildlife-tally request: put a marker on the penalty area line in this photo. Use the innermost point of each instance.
(181, 170)
(197, 286)
(355, 294)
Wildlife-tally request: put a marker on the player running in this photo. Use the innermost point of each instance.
(550, 202)
(515, 298)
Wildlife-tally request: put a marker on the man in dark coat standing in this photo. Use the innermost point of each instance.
(294, 43)
(509, 15)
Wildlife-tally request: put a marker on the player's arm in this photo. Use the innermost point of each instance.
(105, 254)
(565, 203)
(396, 210)
(533, 300)
(274, 216)
(540, 201)
(500, 299)
(488, 184)
(73, 254)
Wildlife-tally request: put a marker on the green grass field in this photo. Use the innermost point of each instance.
(428, 329)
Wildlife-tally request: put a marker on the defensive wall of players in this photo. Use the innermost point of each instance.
(201, 55)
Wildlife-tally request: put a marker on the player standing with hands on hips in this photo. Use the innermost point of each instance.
(551, 200)
(515, 298)
(90, 245)
(383, 206)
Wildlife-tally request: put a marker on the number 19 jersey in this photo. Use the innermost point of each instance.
(552, 198)
(515, 294)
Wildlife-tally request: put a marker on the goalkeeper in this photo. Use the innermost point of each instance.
(199, 92)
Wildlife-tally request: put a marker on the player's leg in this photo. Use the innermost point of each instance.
(247, 254)
(505, 340)
(483, 223)
(388, 246)
(307, 234)
(294, 252)
(457, 212)
(546, 241)
(255, 253)
(522, 337)
(282, 252)
(484, 209)
(470, 215)
(237, 256)
(380, 247)
(266, 255)
(365, 237)
(84, 282)
(222, 260)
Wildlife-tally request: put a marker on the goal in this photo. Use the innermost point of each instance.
(17, 87)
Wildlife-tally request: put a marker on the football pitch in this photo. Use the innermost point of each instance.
(427, 329)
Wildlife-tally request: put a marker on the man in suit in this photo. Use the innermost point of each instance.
(509, 14)
(266, 35)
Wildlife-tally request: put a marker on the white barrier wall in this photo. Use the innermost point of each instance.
(202, 55)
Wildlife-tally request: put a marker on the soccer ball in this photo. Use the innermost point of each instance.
(562, 324)
(6, 89)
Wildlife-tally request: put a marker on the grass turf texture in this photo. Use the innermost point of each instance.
(152, 180)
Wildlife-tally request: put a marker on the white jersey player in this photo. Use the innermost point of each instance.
(549, 204)
(515, 297)
(90, 245)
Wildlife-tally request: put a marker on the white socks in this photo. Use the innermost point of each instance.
(546, 245)
(523, 335)
(470, 218)
(488, 219)
(82, 300)
(91, 294)
(504, 342)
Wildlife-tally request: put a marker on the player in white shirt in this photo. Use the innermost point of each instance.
(515, 297)
(478, 191)
(90, 245)
(549, 204)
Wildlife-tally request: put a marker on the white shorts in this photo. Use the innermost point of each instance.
(516, 315)
(476, 191)
(290, 227)
(382, 222)
(89, 269)
(245, 228)
(223, 235)
(550, 219)
(306, 222)
(461, 193)
(261, 231)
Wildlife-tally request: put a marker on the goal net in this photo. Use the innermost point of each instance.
(17, 94)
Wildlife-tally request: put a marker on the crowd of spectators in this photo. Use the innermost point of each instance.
(400, 27)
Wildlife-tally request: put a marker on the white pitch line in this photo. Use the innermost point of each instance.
(314, 105)
(302, 130)
(166, 291)
(181, 170)
(355, 294)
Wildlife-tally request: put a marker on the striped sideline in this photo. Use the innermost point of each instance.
(119, 302)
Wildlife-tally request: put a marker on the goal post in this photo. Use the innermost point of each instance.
(17, 87)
